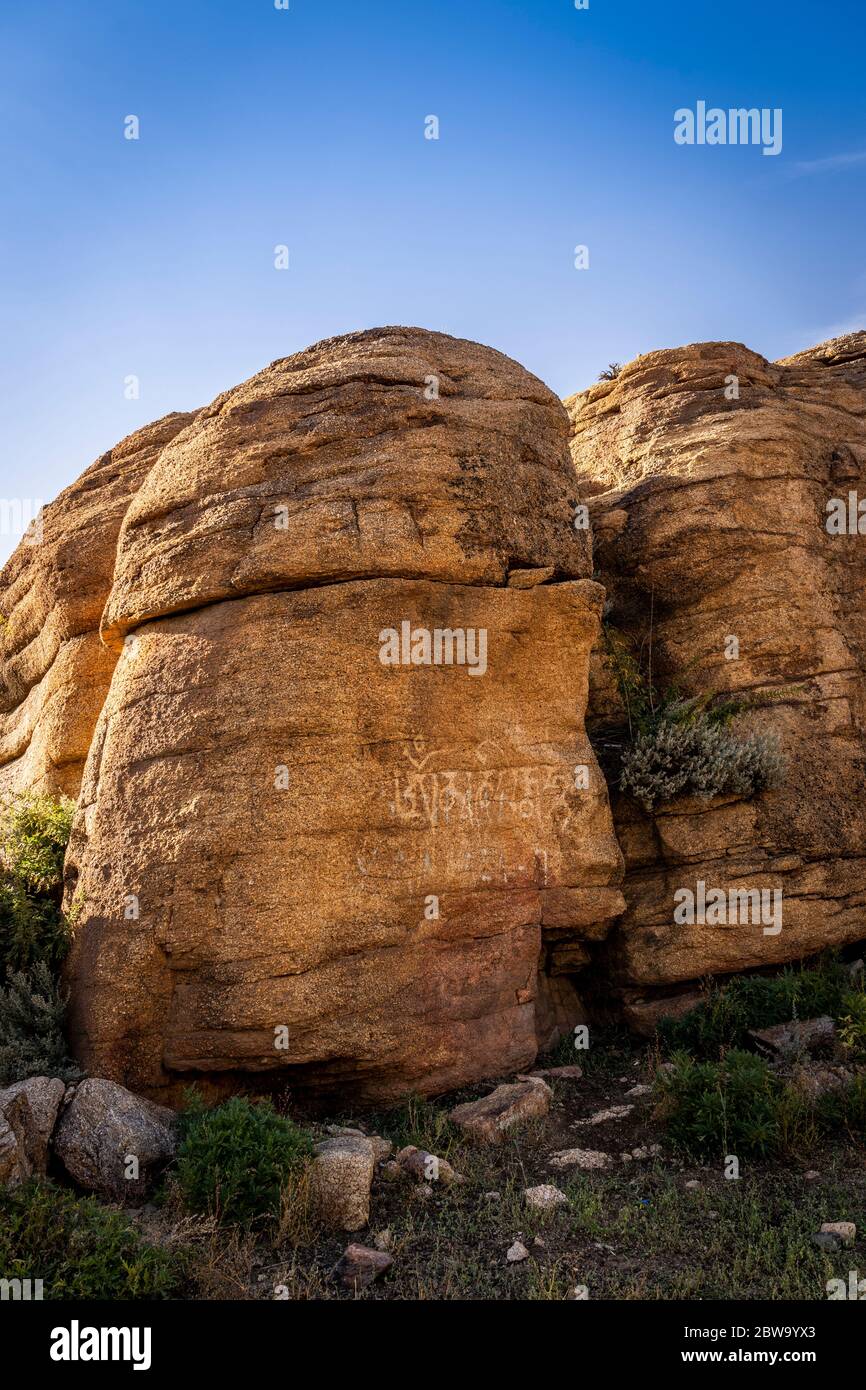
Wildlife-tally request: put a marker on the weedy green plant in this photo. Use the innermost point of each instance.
(235, 1159)
(32, 1017)
(34, 832)
(852, 1024)
(33, 839)
(718, 1108)
(844, 1110)
(418, 1122)
(79, 1249)
(34, 938)
(728, 1012)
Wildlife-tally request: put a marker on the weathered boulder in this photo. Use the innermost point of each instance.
(304, 846)
(710, 475)
(28, 1113)
(489, 1119)
(796, 1037)
(54, 670)
(342, 1176)
(111, 1141)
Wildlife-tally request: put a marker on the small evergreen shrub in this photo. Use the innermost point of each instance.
(728, 1012)
(34, 938)
(34, 832)
(718, 1108)
(678, 745)
(33, 841)
(32, 929)
(32, 1015)
(235, 1159)
(698, 757)
(79, 1249)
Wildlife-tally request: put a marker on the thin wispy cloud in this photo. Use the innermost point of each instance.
(830, 165)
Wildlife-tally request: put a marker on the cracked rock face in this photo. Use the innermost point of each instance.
(708, 472)
(330, 829)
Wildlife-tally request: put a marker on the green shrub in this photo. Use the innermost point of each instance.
(32, 929)
(852, 1024)
(32, 1042)
(728, 1012)
(235, 1159)
(844, 1110)
(678, 745)
(79, 1249)
(718, 1108)
(33, 840)
(34, 832)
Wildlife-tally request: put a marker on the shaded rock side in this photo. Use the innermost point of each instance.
(707, 471)
(297, 860)
(54, 670)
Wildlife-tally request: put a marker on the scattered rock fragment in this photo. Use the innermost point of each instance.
(342, 1178)
(516, 1253)
(586, 1159)
(845, 1232)
(614, 1112)
(488, 1120)
(384, 1240)
(544, 1198)
(426, 1167)
(568, 1073)
(359, 1266)
(795, 1037)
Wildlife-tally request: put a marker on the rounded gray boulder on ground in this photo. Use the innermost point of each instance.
(111, 1141)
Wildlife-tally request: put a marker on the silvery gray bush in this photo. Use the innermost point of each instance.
(698, 756)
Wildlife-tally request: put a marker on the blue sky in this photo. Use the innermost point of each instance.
(305, 127)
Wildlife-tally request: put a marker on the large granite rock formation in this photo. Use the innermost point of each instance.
(325, 646)
(298, 855)
(709, 472)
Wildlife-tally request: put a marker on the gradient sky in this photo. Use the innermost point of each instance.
(306, 127)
